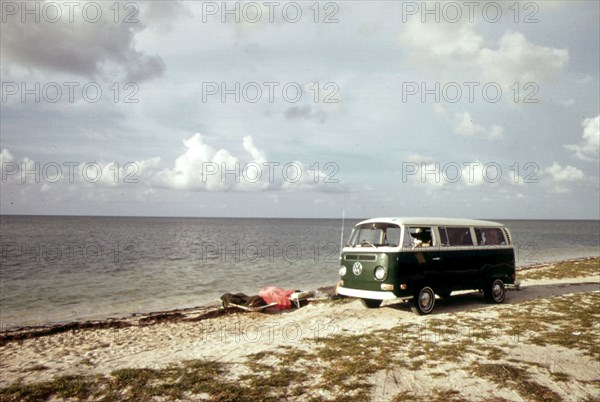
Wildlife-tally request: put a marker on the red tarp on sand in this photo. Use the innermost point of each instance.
(271, 294)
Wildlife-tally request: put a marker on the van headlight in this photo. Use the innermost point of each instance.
(342, 270)
(380, 273)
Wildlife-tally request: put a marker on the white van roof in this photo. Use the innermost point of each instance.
(428, 221)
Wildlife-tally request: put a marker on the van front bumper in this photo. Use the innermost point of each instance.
(365, 294)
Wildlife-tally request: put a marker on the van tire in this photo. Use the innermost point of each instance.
(371, 303)
(495, 292)
(423, 301)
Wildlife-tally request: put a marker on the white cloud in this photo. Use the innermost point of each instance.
(567, 174)
(466, 127)
(201, 167)
(257, 154)
(6, 157)
(61, 174)
(114, 174)
(463, 125)
(589, 149)
(568, 102)
(476, 174)
(518, 60)
(456, 48)
(441, 42)
(559, 189)
(418, 158)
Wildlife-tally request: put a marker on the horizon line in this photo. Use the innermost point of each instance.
(277, 217)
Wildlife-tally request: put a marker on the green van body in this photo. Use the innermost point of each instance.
(441, 267)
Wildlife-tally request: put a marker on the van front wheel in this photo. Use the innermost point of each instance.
(423, 301)
(495, 292)
(371, 303)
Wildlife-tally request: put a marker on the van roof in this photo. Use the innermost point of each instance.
(428, 221)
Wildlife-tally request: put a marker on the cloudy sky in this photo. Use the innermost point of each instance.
(301, 109)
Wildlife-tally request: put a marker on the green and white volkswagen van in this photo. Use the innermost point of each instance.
(418, 258)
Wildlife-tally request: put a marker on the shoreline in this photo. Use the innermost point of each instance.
(541, 342)
(194, 313)
(548, 263)
(188, 314)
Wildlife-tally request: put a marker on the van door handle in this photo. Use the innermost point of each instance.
(437, 258)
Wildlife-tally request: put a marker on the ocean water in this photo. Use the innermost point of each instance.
(57, 268)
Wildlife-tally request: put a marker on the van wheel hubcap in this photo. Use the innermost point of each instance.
(497, 290)
(425, 299)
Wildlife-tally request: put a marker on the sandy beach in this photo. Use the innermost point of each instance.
(542, 344)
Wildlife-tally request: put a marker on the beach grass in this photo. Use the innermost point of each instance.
(342, 365)
(566, 269)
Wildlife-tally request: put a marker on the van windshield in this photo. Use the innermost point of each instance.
(375, 235)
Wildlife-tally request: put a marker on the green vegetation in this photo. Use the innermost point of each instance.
(517, 378)
(566, 269)
(181, 381)
(570, 321)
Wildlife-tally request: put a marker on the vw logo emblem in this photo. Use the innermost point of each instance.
(357, 268)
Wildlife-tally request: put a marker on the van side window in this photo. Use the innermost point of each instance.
(443, 236)
(489, 236)
(459, 236)
(417, 236)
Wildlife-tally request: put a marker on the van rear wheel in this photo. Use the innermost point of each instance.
(423, 301)
(495, 292)
(371, 303)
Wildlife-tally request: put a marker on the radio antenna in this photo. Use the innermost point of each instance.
(342, 234)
